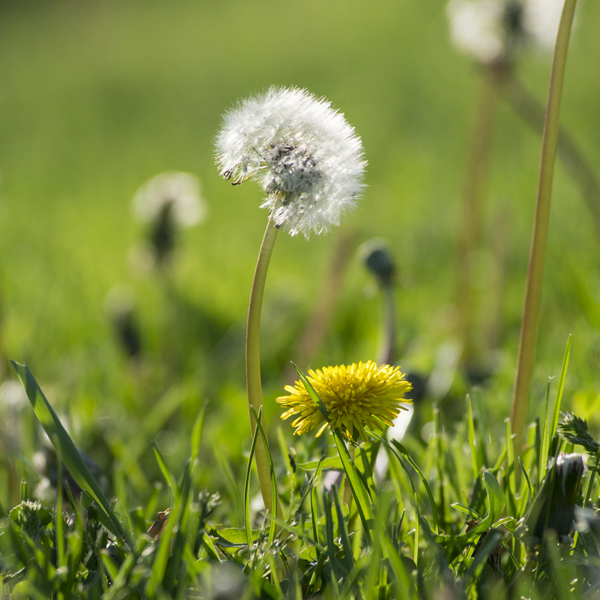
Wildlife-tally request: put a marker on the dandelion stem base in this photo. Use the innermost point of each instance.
(253, 378)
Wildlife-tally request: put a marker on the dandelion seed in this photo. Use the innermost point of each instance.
(302, 153)
(355, 396)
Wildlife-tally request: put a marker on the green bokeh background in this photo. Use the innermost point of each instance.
(96, 98)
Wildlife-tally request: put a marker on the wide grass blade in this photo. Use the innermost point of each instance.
(66, 449)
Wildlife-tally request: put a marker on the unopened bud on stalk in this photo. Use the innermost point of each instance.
(378, 260)
(554, 506)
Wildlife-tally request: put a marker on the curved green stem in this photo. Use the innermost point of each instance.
(253, 380)
(533, 292)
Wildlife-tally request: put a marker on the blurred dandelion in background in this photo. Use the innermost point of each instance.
(492, 30)
(302, 153)
(120, 309)
(355, 396)
(167, 202)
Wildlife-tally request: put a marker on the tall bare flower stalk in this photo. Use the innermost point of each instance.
(535, 273)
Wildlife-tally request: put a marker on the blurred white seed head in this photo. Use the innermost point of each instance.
(12, 395)
(119, 301)
(541, 19)
(179, 190)
(303, 154)
(490, 30)
(476, 28)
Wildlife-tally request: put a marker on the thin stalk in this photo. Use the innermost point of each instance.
(253, 380)
(388, 325)
(472, 209)
(533, 291)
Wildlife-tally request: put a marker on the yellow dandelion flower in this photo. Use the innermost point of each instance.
(355, 396)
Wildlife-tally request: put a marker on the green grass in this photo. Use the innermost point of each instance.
(97, 98)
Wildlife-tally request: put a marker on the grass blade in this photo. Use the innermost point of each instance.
(276, 505)
(472, 443)
(359, 490)
(343, 531)
(561, 387)
(247, 484)
(312, 393)
(66, 448)
(418, 471)
(164, 469)
(197, 433)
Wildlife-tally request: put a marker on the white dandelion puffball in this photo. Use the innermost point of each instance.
(180, 190)
(301, 152)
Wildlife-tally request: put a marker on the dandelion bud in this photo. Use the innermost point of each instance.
(554, 506)
(120, 309)
(301, 152)
(377, 259)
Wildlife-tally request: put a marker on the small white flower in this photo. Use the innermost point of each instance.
(179, 191)
(302, 153)
(490, 30)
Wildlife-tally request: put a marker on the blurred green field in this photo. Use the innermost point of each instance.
(96, 98)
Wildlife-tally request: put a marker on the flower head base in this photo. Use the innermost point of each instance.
(490, 30)
(302, 153)
(355, 396)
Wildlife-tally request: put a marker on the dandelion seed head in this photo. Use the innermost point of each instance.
(303, 154)
(174, 191)
(355, 396)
